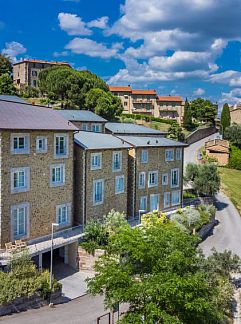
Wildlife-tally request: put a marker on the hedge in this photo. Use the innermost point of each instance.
(235, 158)
(149, 118)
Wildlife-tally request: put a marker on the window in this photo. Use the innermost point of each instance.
(96, 128)
(41, 144)
(154, 202)
(96, 161)
(34, 83)
(34, 73)
(98, 192)
(169, 155)
(178, 154)
(61, 145)
(144, 156)
(57, 175)
(125, 103)
(143, 203)
(165, 179)
(174, 178)
(19, 218)
(20, 143)
(153, 179)
(116, 161)
(142, 180)
(63, 213)
(119, 184)
(167, 198)
(85, 127)
(20, 180)
(176, 198)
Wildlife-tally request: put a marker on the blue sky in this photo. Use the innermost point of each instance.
(186, 47)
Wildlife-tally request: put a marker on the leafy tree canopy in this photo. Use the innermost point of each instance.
(5, 65)
(203, 110)
(233, 134)
(175, 132)
(6, 85)
(160, 273)
(204, 178)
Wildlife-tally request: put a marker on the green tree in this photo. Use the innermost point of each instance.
(203, 110)
(175, 132)
(225, 117)
(5, 65)
(6, 85)
(204, 178)
(159, 272)
(187, 117)
(233, 134)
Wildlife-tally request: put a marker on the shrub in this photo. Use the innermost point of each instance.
(235, 158)
(150, 118)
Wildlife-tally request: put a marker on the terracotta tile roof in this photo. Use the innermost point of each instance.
(43, 62)
(15, 115)
(144, 92)
(120, 89)
(169, 98)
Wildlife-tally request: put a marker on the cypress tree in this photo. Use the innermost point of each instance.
(187, 117)
(225, 117)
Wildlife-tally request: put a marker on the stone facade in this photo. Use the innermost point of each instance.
(235, 114)
(156, 162)
(41, 197)
(84, 178)
(88, 126)
(170, 108)
(219, 150)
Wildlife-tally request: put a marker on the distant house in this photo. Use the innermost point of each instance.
(171, 107)
(235, 114)
(85, 120)
(218, 149)
(26, 72)
(132, 129)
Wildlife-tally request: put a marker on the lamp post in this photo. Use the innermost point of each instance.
(140, 211)
(51, 261)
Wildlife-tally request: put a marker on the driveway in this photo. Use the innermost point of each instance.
(227, 234)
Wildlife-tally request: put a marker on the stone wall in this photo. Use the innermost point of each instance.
(42, 198)
(86, 261)
(199, 134)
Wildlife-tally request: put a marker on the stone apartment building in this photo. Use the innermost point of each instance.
(36, 178)
(148, 103)
(170, 107)
(26, 72)
(101, 175)
(84, 120)
(155, 174)
(235, 114)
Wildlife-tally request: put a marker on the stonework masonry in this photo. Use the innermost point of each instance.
(42, 197)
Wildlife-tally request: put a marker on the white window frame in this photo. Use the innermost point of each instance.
(61, 166)
(158, 201)
(178, 154)
(165, 183)
(96, 203)
(144, 181)
(45, 141)
(178, 178)
(26, 149)
(117, 190)
(26, 187)
(143, 198)
(167, 157)
(113, 161)
(150, 185)
(167, 199)
(26, 221)
(179, 195)
(85, 127)
(60, 156)
(96, 126)
(144, 153)
(68, 216)
(93, 156)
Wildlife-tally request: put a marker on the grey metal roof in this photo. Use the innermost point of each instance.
(25, 116)
(12, 98)
(81, 115)
(95, 141)
(148, 141)
(128, 128)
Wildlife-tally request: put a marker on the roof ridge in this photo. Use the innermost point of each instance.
(26, 103)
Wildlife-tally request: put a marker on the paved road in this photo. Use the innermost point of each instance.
(190, 152)
(227, 234)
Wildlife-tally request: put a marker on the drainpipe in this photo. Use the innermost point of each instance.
(84, 190)
(134, 186)
(182, 177)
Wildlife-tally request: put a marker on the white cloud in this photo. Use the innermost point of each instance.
(233, 97)
(230, 77)
(72, 24)
(198, 92)
(91, 48)
(101, 23)
(59, 54)
(14, 49)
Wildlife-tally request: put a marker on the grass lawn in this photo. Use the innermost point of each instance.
(231, 185)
